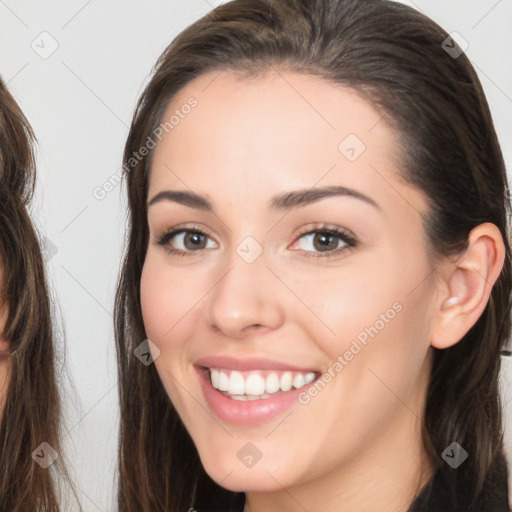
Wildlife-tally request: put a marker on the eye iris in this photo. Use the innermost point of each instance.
(324, 241)
(195, 238)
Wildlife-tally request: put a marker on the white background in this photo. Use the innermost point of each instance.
(79, 101)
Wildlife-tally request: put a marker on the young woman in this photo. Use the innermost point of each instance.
(30, 455)
(318, 265)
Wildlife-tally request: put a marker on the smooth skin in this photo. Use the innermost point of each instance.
(356, 445)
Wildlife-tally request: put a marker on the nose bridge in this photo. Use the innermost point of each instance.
(244, 295)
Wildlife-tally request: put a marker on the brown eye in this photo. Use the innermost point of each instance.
(184, 241)
(193, 240)
(325, 241)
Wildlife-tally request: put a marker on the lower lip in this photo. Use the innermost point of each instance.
(249, 412)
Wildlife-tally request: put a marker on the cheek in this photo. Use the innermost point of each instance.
(164, 312)
(168, 299)
(156, 299)
(343, 308)
(378, 315)
(164, 300)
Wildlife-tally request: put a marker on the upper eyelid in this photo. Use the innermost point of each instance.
(341, 232)
(180, 229)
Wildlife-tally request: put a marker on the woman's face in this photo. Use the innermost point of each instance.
(267, 300)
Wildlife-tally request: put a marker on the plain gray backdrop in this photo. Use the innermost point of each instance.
(77, 68)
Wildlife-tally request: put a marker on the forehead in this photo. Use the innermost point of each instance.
(278, 129)
(300, 109)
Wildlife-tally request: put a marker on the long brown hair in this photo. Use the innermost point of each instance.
(395, 58)
(31, 410)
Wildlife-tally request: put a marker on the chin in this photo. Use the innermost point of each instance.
(231, 474)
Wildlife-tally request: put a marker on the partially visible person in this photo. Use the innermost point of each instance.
(29, 396)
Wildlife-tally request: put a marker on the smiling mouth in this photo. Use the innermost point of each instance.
(257, 384)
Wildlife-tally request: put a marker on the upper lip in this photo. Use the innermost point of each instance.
(240, 364)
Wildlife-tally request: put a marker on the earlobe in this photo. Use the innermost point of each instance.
(466, 285)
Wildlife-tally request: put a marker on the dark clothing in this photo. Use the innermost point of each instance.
(493, 498)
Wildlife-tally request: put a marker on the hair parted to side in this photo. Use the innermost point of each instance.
(392, 55)
(31, 411)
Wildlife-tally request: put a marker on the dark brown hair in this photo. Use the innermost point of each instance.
(31, 411)
(394, 57)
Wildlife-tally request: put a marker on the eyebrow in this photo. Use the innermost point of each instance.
(282, 202)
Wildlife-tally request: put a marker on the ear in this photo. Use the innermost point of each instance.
(465, 285)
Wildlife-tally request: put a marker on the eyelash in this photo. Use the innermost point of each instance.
(344, 235)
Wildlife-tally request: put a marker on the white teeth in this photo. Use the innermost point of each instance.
(215, 378)
(223, 382)
(271, 383)
(254, 385)
(286, 381)
(310, 377)
(246, 398)
(299, 381)
(236, 384)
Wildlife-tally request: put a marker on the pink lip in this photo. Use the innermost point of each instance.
(251, 412)
(232, 363)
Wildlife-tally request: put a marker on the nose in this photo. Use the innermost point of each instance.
(245, 300)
